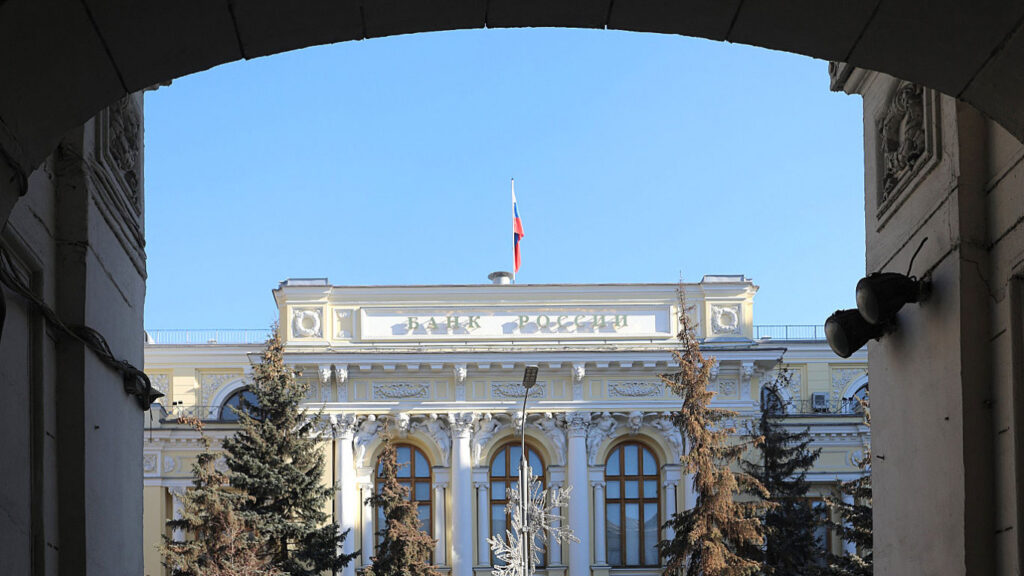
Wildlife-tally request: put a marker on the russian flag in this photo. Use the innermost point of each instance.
(517, 229)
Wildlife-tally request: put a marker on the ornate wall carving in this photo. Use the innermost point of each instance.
(307, 323)
(516, 391)
(161, 382)
(401, 390)
(907, 143)
(725, 319)
(635, 389)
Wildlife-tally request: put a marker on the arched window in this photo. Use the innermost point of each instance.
(505, 477)
(632, 506)
(243, 400)
(854, 403)
(415, 474)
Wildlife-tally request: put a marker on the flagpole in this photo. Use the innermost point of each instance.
(513, 231)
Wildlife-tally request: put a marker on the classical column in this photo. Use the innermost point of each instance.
(670, 507)
(849, 546)
(439, 524)
(368, 539)
(483, 506)
(579, 504)
(554, 546)
(178, 535)
(462, 494)
(346, 508)
(599, 523)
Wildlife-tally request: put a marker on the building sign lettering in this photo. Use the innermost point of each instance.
(405, 324)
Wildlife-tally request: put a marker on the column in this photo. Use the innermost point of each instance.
(368, 536)
(483, 514)
(599, 523)
(462, 494)
(670, 507)
(849, 546)
(346, 508)
(439, 524)
(579, 504)
(178, 535)
(554, 547)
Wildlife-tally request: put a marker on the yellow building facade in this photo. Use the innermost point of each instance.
(442, 367)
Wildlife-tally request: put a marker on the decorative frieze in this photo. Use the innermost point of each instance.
(635, 389)
(516, 390)
(401, 391)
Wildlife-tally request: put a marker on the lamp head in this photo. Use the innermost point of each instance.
(847, 331)
(881, 295)
(530, 377)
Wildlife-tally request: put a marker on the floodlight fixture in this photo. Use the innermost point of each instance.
(847, 331)
(881, 295)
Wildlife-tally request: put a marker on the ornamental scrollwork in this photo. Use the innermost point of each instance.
(725, 319)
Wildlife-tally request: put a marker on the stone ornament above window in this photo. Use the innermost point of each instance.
(725, 319)
(307, 323)
(907, 133)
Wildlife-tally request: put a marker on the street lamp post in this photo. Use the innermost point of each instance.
(529, 380)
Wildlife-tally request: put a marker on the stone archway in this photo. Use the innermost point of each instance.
(64, 61)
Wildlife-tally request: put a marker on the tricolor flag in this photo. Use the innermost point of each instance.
(517, 229)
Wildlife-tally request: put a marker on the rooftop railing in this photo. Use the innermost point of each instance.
(789, 331)
(208, 336)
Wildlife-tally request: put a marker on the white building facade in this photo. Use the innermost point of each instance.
(441, 368)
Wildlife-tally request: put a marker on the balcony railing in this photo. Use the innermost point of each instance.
(789, 331)
(204, 413)
(208, 336)
(848, 406)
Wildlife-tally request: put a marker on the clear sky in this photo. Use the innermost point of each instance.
(637, 158)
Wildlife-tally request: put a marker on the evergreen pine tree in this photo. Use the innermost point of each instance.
(791, 548)
(404, 549)
(708, 535)
(276, 459)
(217, 541)
(854, 509)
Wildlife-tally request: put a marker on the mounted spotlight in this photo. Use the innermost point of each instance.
(846, 331)
(881, 295)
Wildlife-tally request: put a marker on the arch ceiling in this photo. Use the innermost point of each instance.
(63, 60)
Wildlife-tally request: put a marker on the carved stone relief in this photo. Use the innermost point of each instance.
(161, 382)
(727, 387)
(307, 323)
(210, 384)
(841, 378)
(906, 142)
(725, 319)
(342, 323)
(516, 391)
(401, 391)
(150, 461)
(635, 389)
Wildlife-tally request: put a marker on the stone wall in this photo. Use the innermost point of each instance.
(72, 500)
(942, 180)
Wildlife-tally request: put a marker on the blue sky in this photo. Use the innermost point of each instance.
(637, 158)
